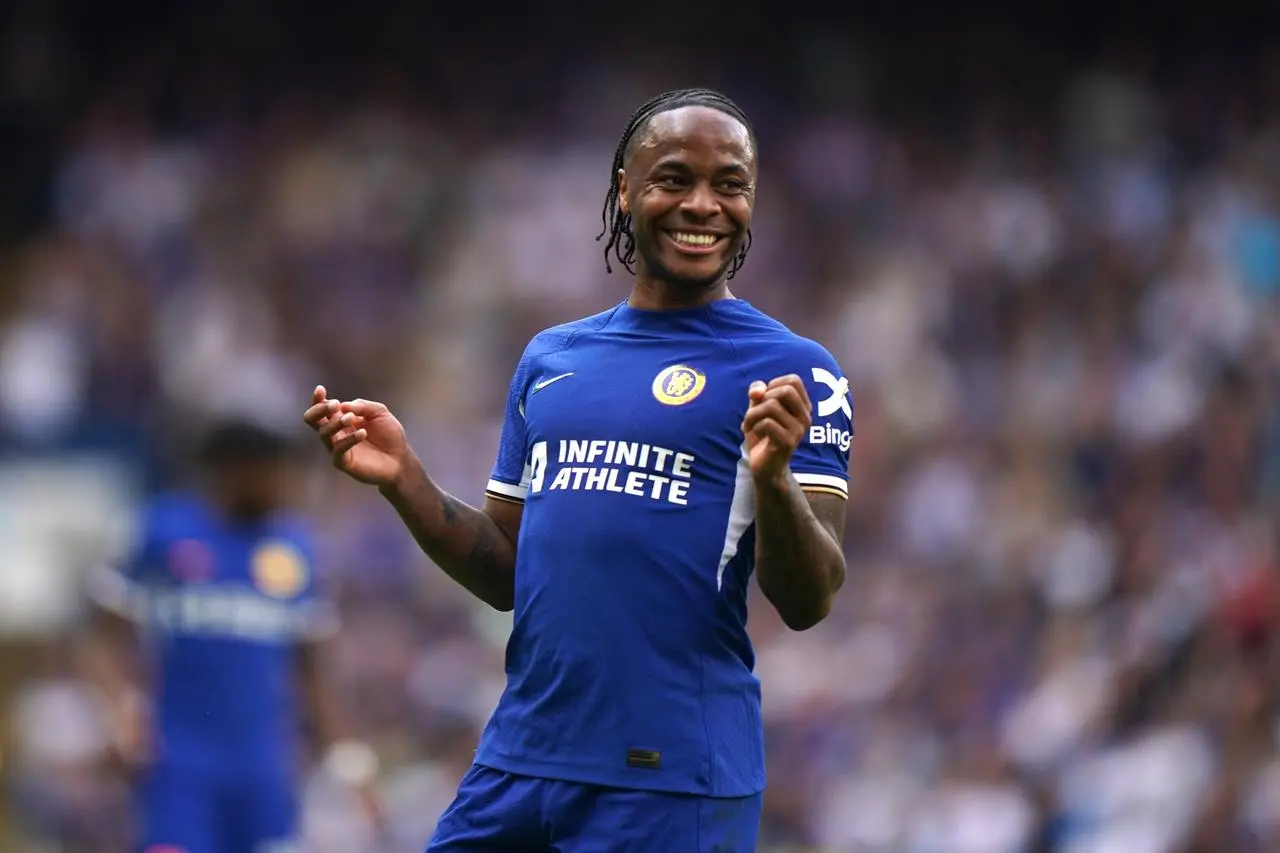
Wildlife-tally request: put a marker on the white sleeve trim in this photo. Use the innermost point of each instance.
(111, 590)
(825, 481)
(506, 490)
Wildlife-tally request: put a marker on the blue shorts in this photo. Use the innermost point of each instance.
(193, 811)
(496, 811)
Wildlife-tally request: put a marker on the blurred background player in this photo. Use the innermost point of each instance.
(207, 645)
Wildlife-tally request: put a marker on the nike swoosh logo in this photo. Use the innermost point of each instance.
(538, 386)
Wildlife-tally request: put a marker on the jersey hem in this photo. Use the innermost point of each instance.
(581, 775)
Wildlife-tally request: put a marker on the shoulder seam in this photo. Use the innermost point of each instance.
(564, 341)
(728, 342)
(568, 339)
(577, 333)
(610, 314)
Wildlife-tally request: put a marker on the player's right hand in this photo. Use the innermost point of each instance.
(365, 440)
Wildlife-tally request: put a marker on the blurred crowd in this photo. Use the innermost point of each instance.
(1061, 323)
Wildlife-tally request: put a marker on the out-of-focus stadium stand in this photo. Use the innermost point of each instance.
(1047, 254)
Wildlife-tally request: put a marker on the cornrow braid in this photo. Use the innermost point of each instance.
(622, 242)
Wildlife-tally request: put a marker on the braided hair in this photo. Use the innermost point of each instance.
(616, 224)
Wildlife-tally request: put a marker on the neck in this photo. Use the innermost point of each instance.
(649, 294)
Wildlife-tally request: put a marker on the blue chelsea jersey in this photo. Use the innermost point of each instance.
(222, 607)
(629, 663)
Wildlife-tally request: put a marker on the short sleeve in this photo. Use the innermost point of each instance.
(821, 462)
(510, 478)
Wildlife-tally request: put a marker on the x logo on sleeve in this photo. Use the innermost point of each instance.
(839, 398)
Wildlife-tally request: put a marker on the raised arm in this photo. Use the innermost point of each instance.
(799, 473)
(799, 554)
(475, 547)
(110, 655)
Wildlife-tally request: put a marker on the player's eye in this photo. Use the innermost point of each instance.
(732, 186)
(673, 181)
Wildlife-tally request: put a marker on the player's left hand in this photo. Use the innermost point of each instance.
(778, 418)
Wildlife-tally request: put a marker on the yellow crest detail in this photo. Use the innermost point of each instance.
(678, 384)
(279, 570)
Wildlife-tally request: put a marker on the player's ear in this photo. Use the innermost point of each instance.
(624, 206)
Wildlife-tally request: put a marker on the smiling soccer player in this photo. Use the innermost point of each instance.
(653, 457)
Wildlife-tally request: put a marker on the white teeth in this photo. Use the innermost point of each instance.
(694, 239)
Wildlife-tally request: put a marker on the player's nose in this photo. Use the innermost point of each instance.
(700, 202)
